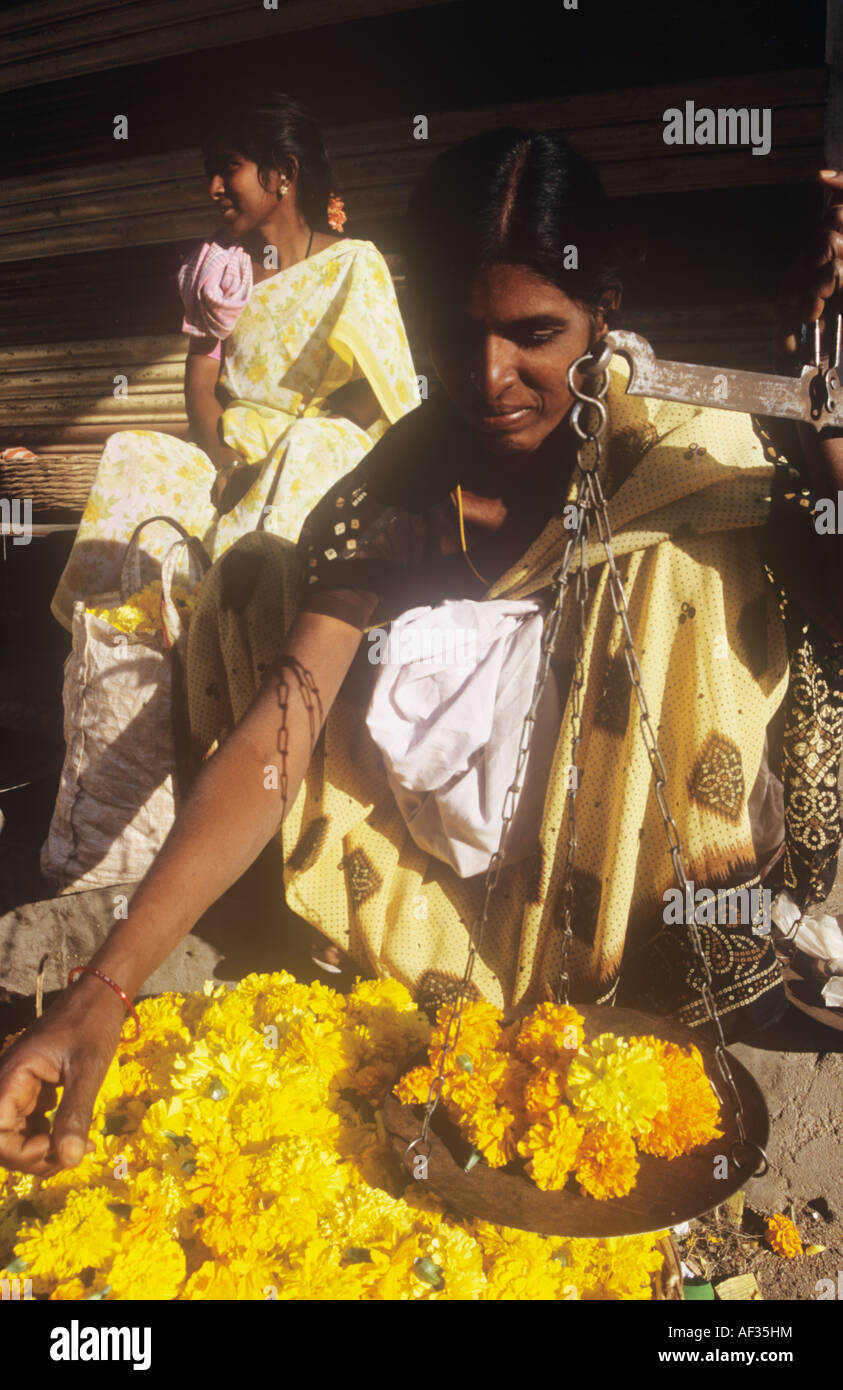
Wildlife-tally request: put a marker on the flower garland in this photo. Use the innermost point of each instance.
(141, 612)
(536, 1090)
(239, 1154)
(336, 213)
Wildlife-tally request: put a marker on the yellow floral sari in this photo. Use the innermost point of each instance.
(305, 333)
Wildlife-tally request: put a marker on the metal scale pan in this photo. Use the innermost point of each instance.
(666, 1192)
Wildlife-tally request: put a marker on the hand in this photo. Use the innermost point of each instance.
(225, 460)
(818, 276)
(234, 484)
(71, 1046)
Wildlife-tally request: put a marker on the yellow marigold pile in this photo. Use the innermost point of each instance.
(538, 1091)
(141, 612)
(783, 1237)
(240, 1154)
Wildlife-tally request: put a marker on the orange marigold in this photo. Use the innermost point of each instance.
(693, 1110)
(551, 1147)
(552, 1033)
(491, 1129)
(543, 1092)
(783, 1237)
(607, 1163)
(414, 1086)
(479, 1032)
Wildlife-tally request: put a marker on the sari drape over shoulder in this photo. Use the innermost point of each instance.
(304, 333)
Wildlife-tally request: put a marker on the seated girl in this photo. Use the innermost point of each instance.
(298, 360)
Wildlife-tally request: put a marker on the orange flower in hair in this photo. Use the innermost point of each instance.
(336, 213)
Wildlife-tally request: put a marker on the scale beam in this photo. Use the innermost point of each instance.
(814, 397)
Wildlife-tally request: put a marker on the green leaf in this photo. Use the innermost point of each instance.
(120, 1208)
(561, 1257)
(472, 1161)
(702, 1291)
(16, 1266)
(465, 1064)
(424, 1268)
(216, 1090)
(178, 1139)
(100, 1294)
(189, 1166)
(357, 1255)
(26, 1210)
(115, 1124)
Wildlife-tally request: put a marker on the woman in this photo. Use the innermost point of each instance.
(463, 499)
(314, 363)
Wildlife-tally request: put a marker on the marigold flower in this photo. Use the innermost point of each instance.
(607, 1165)
(617, 1083)
(148, 1270)
(783, 1237)
(543, 1092)
(269, 1158)
(84, 1234)
(692, 1113)
(336, 213)
(492, 1132)
(551, 1147)
(552, 1034)
(479, 1031)
(141, 612)
(414, 1086)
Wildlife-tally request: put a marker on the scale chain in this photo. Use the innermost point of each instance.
(590, 501)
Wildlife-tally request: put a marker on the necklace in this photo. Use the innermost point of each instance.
(462, 538)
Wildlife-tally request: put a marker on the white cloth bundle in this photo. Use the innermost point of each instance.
(447, 712)
(820, 937)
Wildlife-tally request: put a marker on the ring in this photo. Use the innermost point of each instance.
(749, 1144)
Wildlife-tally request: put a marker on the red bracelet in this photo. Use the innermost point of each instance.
(92, 970)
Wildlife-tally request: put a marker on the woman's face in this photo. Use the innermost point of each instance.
(503, 356)
(238, 192)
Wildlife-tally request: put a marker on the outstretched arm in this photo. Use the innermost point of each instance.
(230, 814)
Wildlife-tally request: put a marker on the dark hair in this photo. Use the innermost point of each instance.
(269, 127)
(516, 197)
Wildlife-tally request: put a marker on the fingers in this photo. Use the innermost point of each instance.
(27, 1092)
(26, 1153)
(820, 275)
(25, 1081)
(73, 1118)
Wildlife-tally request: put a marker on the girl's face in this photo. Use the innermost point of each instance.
(238, 192)
(503, 356)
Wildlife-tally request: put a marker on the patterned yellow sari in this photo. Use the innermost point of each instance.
(305, 333)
